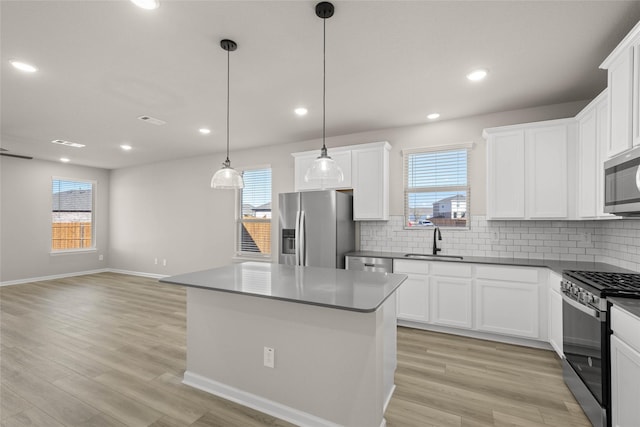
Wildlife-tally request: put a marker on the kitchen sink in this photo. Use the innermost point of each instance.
(433, 257)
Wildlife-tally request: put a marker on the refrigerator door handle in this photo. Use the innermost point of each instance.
(296, 240)
(303, 243)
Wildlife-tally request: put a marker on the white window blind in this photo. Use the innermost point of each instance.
(436, 188)
(254, 219)
(72, 214)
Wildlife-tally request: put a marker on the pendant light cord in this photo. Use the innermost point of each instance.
(324, 81)
(228, 78)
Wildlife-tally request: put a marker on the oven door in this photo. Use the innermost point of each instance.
(584, 344)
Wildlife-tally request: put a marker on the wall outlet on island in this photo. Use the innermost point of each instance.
(164, 262)
(155, 261)
(269, 357)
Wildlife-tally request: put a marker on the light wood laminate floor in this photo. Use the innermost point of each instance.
(109, 350)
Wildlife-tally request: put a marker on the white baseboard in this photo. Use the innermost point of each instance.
(52, 277)
(80, 273)
(526, 342)
(258, 403)
(138, 273)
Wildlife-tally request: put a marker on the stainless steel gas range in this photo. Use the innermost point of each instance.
(586, 335)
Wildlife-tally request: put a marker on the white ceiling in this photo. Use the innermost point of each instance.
(389, 63)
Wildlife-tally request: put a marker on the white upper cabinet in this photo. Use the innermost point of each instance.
(370, 177)
(527, 170)
(546, 168)
(593, 136)
(623, 67)
(505, 174)
(366, 172)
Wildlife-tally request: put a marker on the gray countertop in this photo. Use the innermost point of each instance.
(556, 266)
(327, 287)
(632, 305)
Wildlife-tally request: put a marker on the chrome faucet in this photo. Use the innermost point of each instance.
(436, 249)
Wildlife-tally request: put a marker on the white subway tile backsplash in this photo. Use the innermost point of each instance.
(614, 242)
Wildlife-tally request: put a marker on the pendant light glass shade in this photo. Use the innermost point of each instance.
(227, 178)
(324, 169)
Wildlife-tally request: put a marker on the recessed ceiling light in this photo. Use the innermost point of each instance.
(67, 143)
(433, 116)
(146, 4)
(204, 131)
(477, 75)
(64, 160)
(126, 147)
(301, 111)
(23, 66)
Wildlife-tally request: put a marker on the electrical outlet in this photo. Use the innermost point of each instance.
(155, 261)
(269, 357)
(100, 257)
(164, 262)
(495, 237)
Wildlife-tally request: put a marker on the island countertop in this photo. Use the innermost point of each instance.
(333, 288)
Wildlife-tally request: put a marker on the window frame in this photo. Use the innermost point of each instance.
(239, 254)
(467, 146)
(94, 216)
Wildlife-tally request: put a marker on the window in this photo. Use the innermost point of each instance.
(72, 216)
(436, 189)
(254, 219)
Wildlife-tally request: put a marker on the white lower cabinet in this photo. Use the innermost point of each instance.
(452, 302)
(413, 294)
(555, 313)
(478, 297)
(625, 369)
(508, 308)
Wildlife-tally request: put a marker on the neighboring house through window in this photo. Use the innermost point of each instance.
(72, 214)
(254, 219)
(436, 187)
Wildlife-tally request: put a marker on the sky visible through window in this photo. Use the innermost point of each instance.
(257, 187)
(60, 186)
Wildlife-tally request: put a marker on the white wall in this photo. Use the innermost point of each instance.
(25, 219)
(168, 211)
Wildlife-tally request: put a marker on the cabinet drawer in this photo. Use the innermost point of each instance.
(510, 274)
(406, 266)
(626, 327)
(451, 269)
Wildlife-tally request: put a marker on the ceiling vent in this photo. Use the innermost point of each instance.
(67, 143)
(152, 120)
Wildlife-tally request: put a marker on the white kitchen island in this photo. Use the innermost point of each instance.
(333, 333)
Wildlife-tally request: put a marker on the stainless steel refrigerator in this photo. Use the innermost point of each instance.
(316, 228)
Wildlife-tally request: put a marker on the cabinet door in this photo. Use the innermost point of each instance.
(303, 163)
(413, 298)
(370, 178)
(505, 175)
(587, 164)
(636, 94)
(451, 302)
(620, 103)
(625, 384)
(546, 164)
(603, 144)
(555, 321)
(509, 308)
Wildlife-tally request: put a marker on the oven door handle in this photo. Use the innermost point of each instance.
(583, 308)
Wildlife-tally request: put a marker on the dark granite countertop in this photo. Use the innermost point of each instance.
(556, 266)
(327, 287)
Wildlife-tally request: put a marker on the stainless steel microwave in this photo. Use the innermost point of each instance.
(622, 184)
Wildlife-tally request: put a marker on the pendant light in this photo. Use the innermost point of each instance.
(227, 177)
(324, 169)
